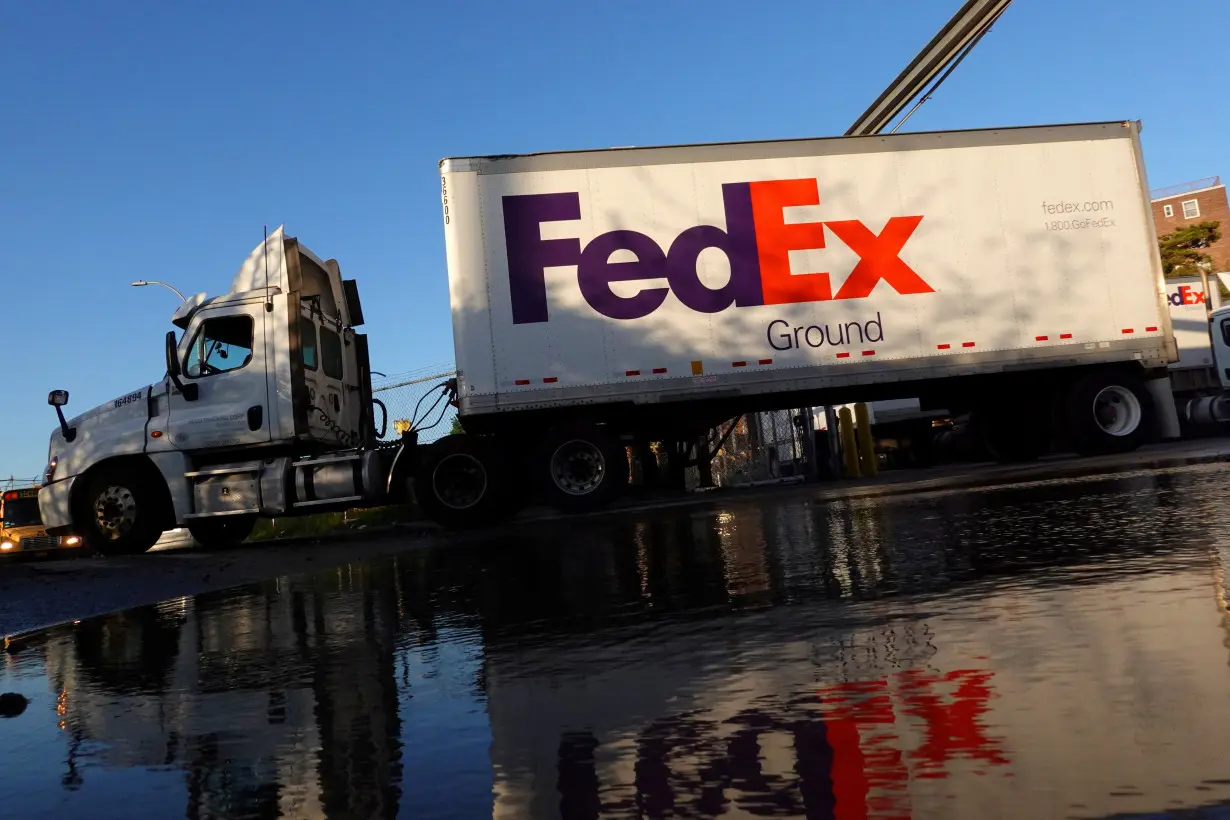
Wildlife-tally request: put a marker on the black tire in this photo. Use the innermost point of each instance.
(462, 483)
(582, 468)
(1012, 435)
(921, 450)
(226, 531)
(1109, 412)
(117, 511)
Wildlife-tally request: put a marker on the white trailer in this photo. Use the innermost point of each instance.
(606, 299)
(626, 274)
(1189, 307)
(730, 277)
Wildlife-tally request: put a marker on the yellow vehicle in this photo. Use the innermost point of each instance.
(21, 526)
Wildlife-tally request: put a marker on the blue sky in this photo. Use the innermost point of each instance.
(138, 140)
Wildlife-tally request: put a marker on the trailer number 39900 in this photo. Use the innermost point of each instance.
(444, 196)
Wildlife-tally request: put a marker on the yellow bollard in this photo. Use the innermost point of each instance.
(866, 447)
(849, 445)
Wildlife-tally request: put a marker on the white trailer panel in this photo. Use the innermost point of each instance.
(1190, 321)
(659, 274)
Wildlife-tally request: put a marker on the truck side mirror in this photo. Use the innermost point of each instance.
(58, 399)
(188, 391)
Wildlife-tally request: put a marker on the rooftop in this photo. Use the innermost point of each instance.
(1184, 188)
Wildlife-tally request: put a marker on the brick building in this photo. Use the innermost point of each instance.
(1203, 200)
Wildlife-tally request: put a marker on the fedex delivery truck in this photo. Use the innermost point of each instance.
(604, 299)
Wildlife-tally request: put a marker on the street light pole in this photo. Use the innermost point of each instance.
(140, 283)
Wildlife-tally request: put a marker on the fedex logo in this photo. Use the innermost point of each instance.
(1185, 295)
(757, 241)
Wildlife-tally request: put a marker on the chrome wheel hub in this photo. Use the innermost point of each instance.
(578, 467)
(459, 481)
(115, 512)
(1117, 410)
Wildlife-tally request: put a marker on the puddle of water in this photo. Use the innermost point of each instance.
(1060, 650)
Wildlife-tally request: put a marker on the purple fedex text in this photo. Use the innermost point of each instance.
(757, 242)
(529, 255)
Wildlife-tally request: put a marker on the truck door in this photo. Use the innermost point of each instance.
(223, 353)
(323, 341)
(329, 379)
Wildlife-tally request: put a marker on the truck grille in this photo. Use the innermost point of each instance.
(40, 542)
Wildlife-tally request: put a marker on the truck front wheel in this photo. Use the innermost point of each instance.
(585, 468)
(1109, 412)
(117, 512)
(461, 483)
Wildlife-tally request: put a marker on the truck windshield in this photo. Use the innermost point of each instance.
(21, 512)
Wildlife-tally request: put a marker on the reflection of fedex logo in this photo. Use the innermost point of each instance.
(757, 242)
(1184, 295)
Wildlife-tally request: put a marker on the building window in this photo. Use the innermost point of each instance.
(1191, 209)
(1168, 210)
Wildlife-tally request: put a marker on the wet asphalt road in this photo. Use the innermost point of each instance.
(1060, 649)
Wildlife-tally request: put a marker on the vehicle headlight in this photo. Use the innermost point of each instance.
(72, 540)
(6, 545)
(50, 472)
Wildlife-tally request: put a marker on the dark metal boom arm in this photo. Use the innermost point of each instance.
(951, 44)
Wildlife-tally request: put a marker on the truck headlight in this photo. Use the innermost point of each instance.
(50, 472)
(72, 540)
(6, 545)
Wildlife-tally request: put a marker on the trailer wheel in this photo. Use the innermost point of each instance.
(117, 511)
(461, 483)
(1012, 436)
(227, 531)
(585, 468)
(1109, 412)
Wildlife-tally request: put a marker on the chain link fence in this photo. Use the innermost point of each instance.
(13, 483)
(762, 448)
(417, 400)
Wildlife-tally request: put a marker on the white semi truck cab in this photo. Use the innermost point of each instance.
(265, 410)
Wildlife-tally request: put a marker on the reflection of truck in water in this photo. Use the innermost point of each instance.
(177, 685)
(603, 300)
(892, 705)
(21, 527)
